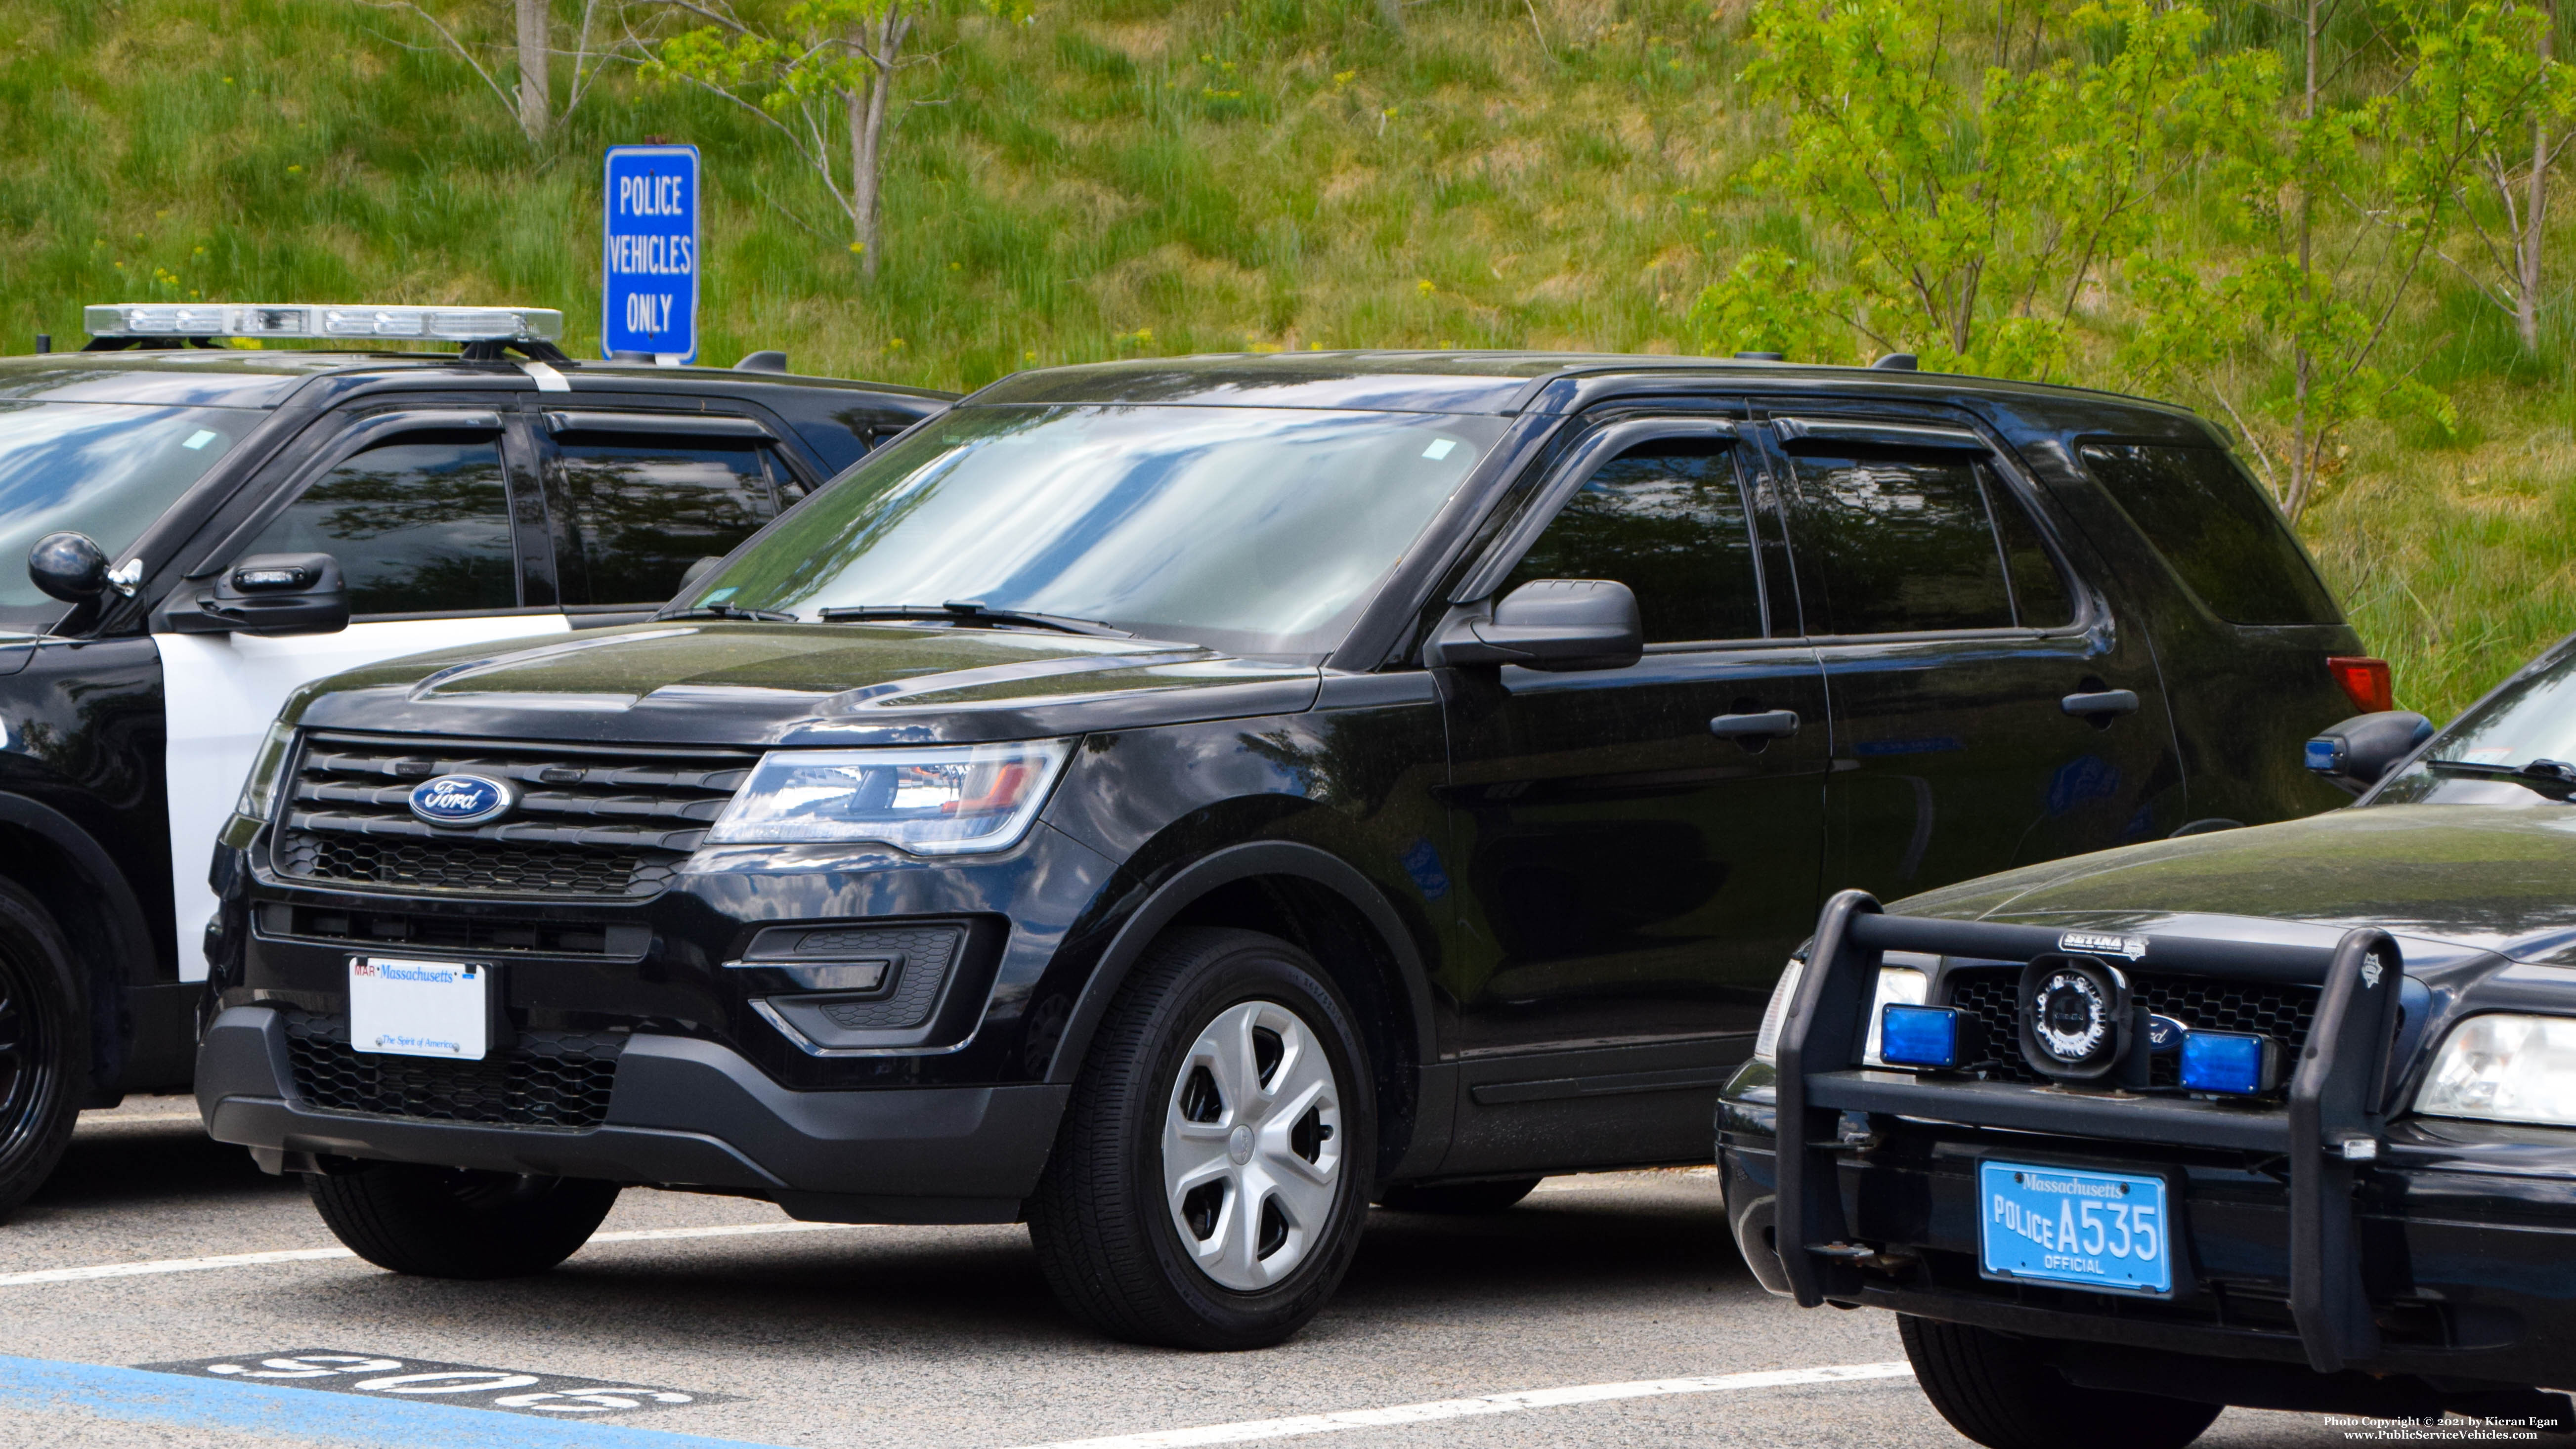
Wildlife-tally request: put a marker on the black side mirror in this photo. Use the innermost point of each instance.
(271, 593)
(2355, 753)
(69, 566)
(1557, 625)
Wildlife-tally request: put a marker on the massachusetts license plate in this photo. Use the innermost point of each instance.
(420, 1008)
(2105, 1230)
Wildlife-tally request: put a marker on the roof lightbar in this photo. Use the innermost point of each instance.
(323, 320)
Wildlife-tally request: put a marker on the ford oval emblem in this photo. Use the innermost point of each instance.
(462, 800)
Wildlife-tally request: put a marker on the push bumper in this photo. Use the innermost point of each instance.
(684, 1113)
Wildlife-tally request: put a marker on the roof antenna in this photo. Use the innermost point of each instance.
(1894, 362)
(1761, 357)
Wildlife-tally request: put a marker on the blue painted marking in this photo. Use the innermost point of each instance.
(135, 1396)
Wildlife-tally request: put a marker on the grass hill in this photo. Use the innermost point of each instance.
(1124, 178)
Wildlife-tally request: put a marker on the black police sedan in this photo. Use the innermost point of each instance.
(194, 530)
(2282, 1117)
(1177, 802)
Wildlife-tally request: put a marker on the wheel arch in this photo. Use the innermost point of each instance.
(97, 910)
(1319, 902)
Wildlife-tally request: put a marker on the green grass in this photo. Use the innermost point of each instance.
(1126, 178)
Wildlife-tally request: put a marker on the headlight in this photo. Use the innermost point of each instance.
(953, 800)
(267, 772)
(2506, 1069)
(1895, 983)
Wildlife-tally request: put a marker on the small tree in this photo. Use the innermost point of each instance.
(821, 73)
(531, 52)
(1977, 211)
(2492, 65)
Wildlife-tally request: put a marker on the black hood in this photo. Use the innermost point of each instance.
(801, 684)
(2448, 880)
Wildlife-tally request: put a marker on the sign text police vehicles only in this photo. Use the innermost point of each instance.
(649, 253)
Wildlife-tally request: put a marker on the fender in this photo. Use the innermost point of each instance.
(129, 960)
(1233, 863)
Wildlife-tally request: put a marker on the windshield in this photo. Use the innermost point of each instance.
(1253, 530)
(2532, 718)
(103, 469)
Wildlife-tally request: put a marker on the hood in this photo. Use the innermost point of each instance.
(2448, 880)
(801, 684)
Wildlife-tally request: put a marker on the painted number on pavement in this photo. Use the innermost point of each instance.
(522, 1391)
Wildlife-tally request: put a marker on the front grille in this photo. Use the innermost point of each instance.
(558, 1079)
(2281, 1010)
(397, 929)
(589, 821)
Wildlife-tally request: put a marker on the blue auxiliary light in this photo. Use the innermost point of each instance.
(2326, 755)
(1922, 1036)
(2238, 1064)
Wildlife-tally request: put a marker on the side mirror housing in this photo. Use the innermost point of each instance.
(2356, 753)
(68, 566)
(689, 576)
(270, 594)
(1556, 625)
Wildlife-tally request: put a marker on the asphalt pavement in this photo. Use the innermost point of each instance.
(1607, 1309)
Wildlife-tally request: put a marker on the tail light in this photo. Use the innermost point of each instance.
(2365, 682)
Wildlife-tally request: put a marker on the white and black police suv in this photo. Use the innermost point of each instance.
(206, 527)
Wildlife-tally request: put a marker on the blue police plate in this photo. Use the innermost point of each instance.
(2105, 1230)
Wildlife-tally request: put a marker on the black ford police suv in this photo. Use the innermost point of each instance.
(193, 531)
(1177, 802)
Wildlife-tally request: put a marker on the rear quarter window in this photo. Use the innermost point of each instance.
(2217, 530)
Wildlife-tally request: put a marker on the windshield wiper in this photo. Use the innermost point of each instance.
(2555, 779)
(730, 611)
(972, 613)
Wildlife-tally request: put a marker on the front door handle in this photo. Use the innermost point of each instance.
(1770, 724)
(2100, 703)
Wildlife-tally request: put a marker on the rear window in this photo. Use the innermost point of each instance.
(2214, 525)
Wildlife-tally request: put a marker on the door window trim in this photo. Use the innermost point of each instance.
(1786, 430)
(370, 430)
(1586, 458)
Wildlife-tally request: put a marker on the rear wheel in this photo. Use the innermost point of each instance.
(1210, 1178)
(1459, 1199)
(44, 1046)
(1993, 1388)
(445, 1222)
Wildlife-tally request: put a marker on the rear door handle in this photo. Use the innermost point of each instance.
(2100, 702)
(1770, 724)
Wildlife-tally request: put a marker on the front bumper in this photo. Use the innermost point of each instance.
(685, 1112)
(2468, 1245)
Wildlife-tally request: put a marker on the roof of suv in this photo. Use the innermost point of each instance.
(262, 378)
(1456, 382)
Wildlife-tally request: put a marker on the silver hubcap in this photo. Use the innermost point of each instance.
(1252, 1145)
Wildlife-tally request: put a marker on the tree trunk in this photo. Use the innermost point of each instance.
(2302, 456)
(867, 128)
(536, 100)
(2526, 252)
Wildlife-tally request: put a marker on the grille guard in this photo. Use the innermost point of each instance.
(2337, 1088)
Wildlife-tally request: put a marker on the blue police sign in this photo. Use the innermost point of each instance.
(650, 270)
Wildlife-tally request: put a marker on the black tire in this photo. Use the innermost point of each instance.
(445, 1222)
(1458, 1199)
(1106, 1227)
(44, 1045)
(1993, 1388)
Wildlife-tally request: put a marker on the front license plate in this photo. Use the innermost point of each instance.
(420, 1008)
(2104, 1230)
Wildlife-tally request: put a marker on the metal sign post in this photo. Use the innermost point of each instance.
(649, 269)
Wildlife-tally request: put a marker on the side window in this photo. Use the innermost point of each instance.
(1668, 520)
(2040, 596)
(1902, 542)
(643, 511)
(420, 525)
(2217, 529)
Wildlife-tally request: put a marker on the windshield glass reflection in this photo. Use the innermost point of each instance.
(104, 469)
(2532, 718)
(1254, 530)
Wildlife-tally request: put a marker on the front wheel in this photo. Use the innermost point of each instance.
(44, 1046)
(1211, 1175)
(443, 1222)
(1993, 1388)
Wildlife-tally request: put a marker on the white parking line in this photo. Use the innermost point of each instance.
(128, 1119)
(1513, 1403)
(318, 1255)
